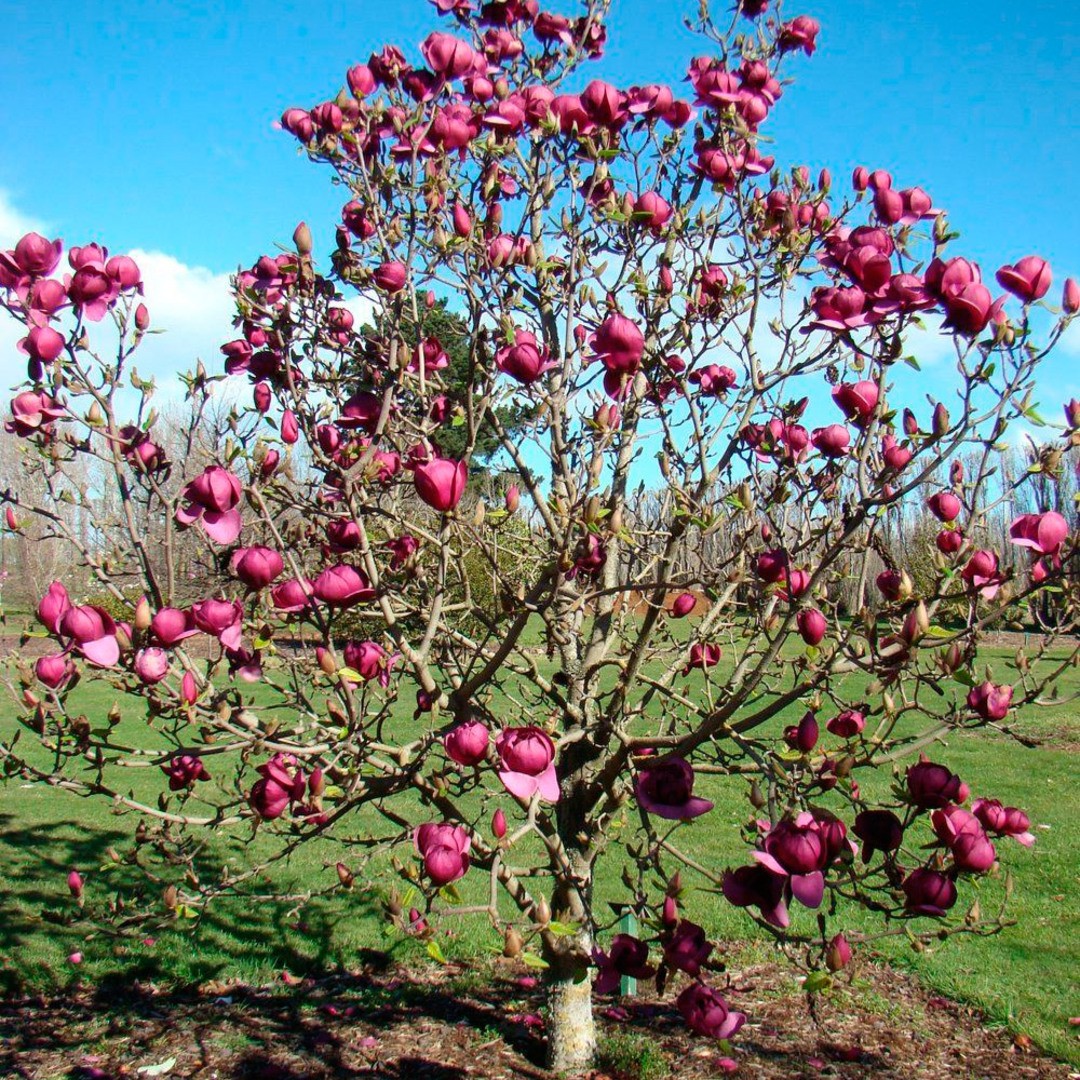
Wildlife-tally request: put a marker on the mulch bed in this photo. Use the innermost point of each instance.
(453, 1023)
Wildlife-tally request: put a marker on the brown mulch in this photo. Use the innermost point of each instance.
(455, 1023)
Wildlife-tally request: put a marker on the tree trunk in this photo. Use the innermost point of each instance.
(571, 1032)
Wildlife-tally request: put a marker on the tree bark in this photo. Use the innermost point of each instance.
(571, 1031)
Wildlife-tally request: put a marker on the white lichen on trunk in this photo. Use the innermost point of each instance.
(571, 1031)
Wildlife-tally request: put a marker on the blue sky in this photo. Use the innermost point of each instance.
(149, 125)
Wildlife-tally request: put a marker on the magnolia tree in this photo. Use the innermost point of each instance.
(490, 697)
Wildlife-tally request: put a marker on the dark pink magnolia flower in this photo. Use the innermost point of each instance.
(982, 575)
(795, 584)
(1029, 279)
(362, 410)
(292, 596)
(370, 661)
(962, 833)
(1042, 533)
(838, 954)
(949, 541)
(75, 884)
(402, 548)
(53, 606)
(604, 104)
(43, 344)
(928, 892)
(448, 56)
(441, 482)
(800, 33)
(805, 735)
(703, 655)
(686, 947)
(524, 360)
(343, 535)
(390, 277)
(628, 957)
(652, 211)
(832, 441)
(665, 788)
(682, 605)
(212, 498)
(840, 309)
(34, 255)
(31, 413)
(256, 567)
(55, 671)
(467, 743)
(772, 566)
(989, 701)
(222, 619)
(1070, 296)
(847, 724)
(92, 292)
(756, 886)
(857, 400)
(1004, 820)
(945, 506)
(893, 585)
(125, 272)
(93, 632)
(797, 849)
(879, 830)
(931, 786)
(183, 770)
(140, 451)
(427, 357)
(444, 849)
(812, 626)
(969, 309)
(527, 763)
(151, 665)
(714, 379)
(278, 788)
(707, 1013)
(618, 344)
(170, 626)
(342, 586)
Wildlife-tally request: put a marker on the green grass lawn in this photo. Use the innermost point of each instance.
(1024, 977)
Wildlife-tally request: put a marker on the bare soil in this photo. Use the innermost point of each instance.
(452, 1023)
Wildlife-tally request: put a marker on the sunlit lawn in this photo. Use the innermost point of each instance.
(1025, 976)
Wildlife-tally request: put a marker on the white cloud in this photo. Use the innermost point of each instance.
(14, 224)
(194, 308)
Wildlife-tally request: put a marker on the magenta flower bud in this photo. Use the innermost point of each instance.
(361, 81)
(665, 788)
(1029, 279)
(462, 221)
(1042, 533)
(945, 506)
(847, 724)
(527, 763)
(151, 665)
(704, 1010)
(832, 441)
(370, 661)
(75, 884)
(812, 626)
(619, 344)
(1070, 296)
(772, 566)
(391, 277)
(800, 33)
(932, 786)
(669, 913)
(93, 633)
(189, 690)
(222, 619)
(498, 824)
(256, 567)
(342, 586)
(807, 733)
(682, 605)
(43, 343)
(928, 892)
(36, 256)
(171, 625)
(55, 671)
(949, 541)
(444, 849)
(290, 430)
(53, 606)
(857, 400)
(989, 701)
(292, 596)
(652, 211)
(31, 413)
(441, 482)
(261, 397)
(513, 499)
(268, 465)
(447, 55)
(838, 954)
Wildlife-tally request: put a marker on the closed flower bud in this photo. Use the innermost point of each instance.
(302, 239)
(345, 875)
(512, 944)
(498, 824)
(838, 954)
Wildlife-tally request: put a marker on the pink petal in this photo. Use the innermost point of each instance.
(695, 807)
(547, 783)
(778, 916)
(769, 862)
(188, 515)
(222, 528)
(809, 889)
(105, 652)
(520, 784)
(734, 1021)
(1025, 838)
(231, 637)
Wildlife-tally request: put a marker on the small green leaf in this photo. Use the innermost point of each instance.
(435, 952)
(532, 960)
(817, 982)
